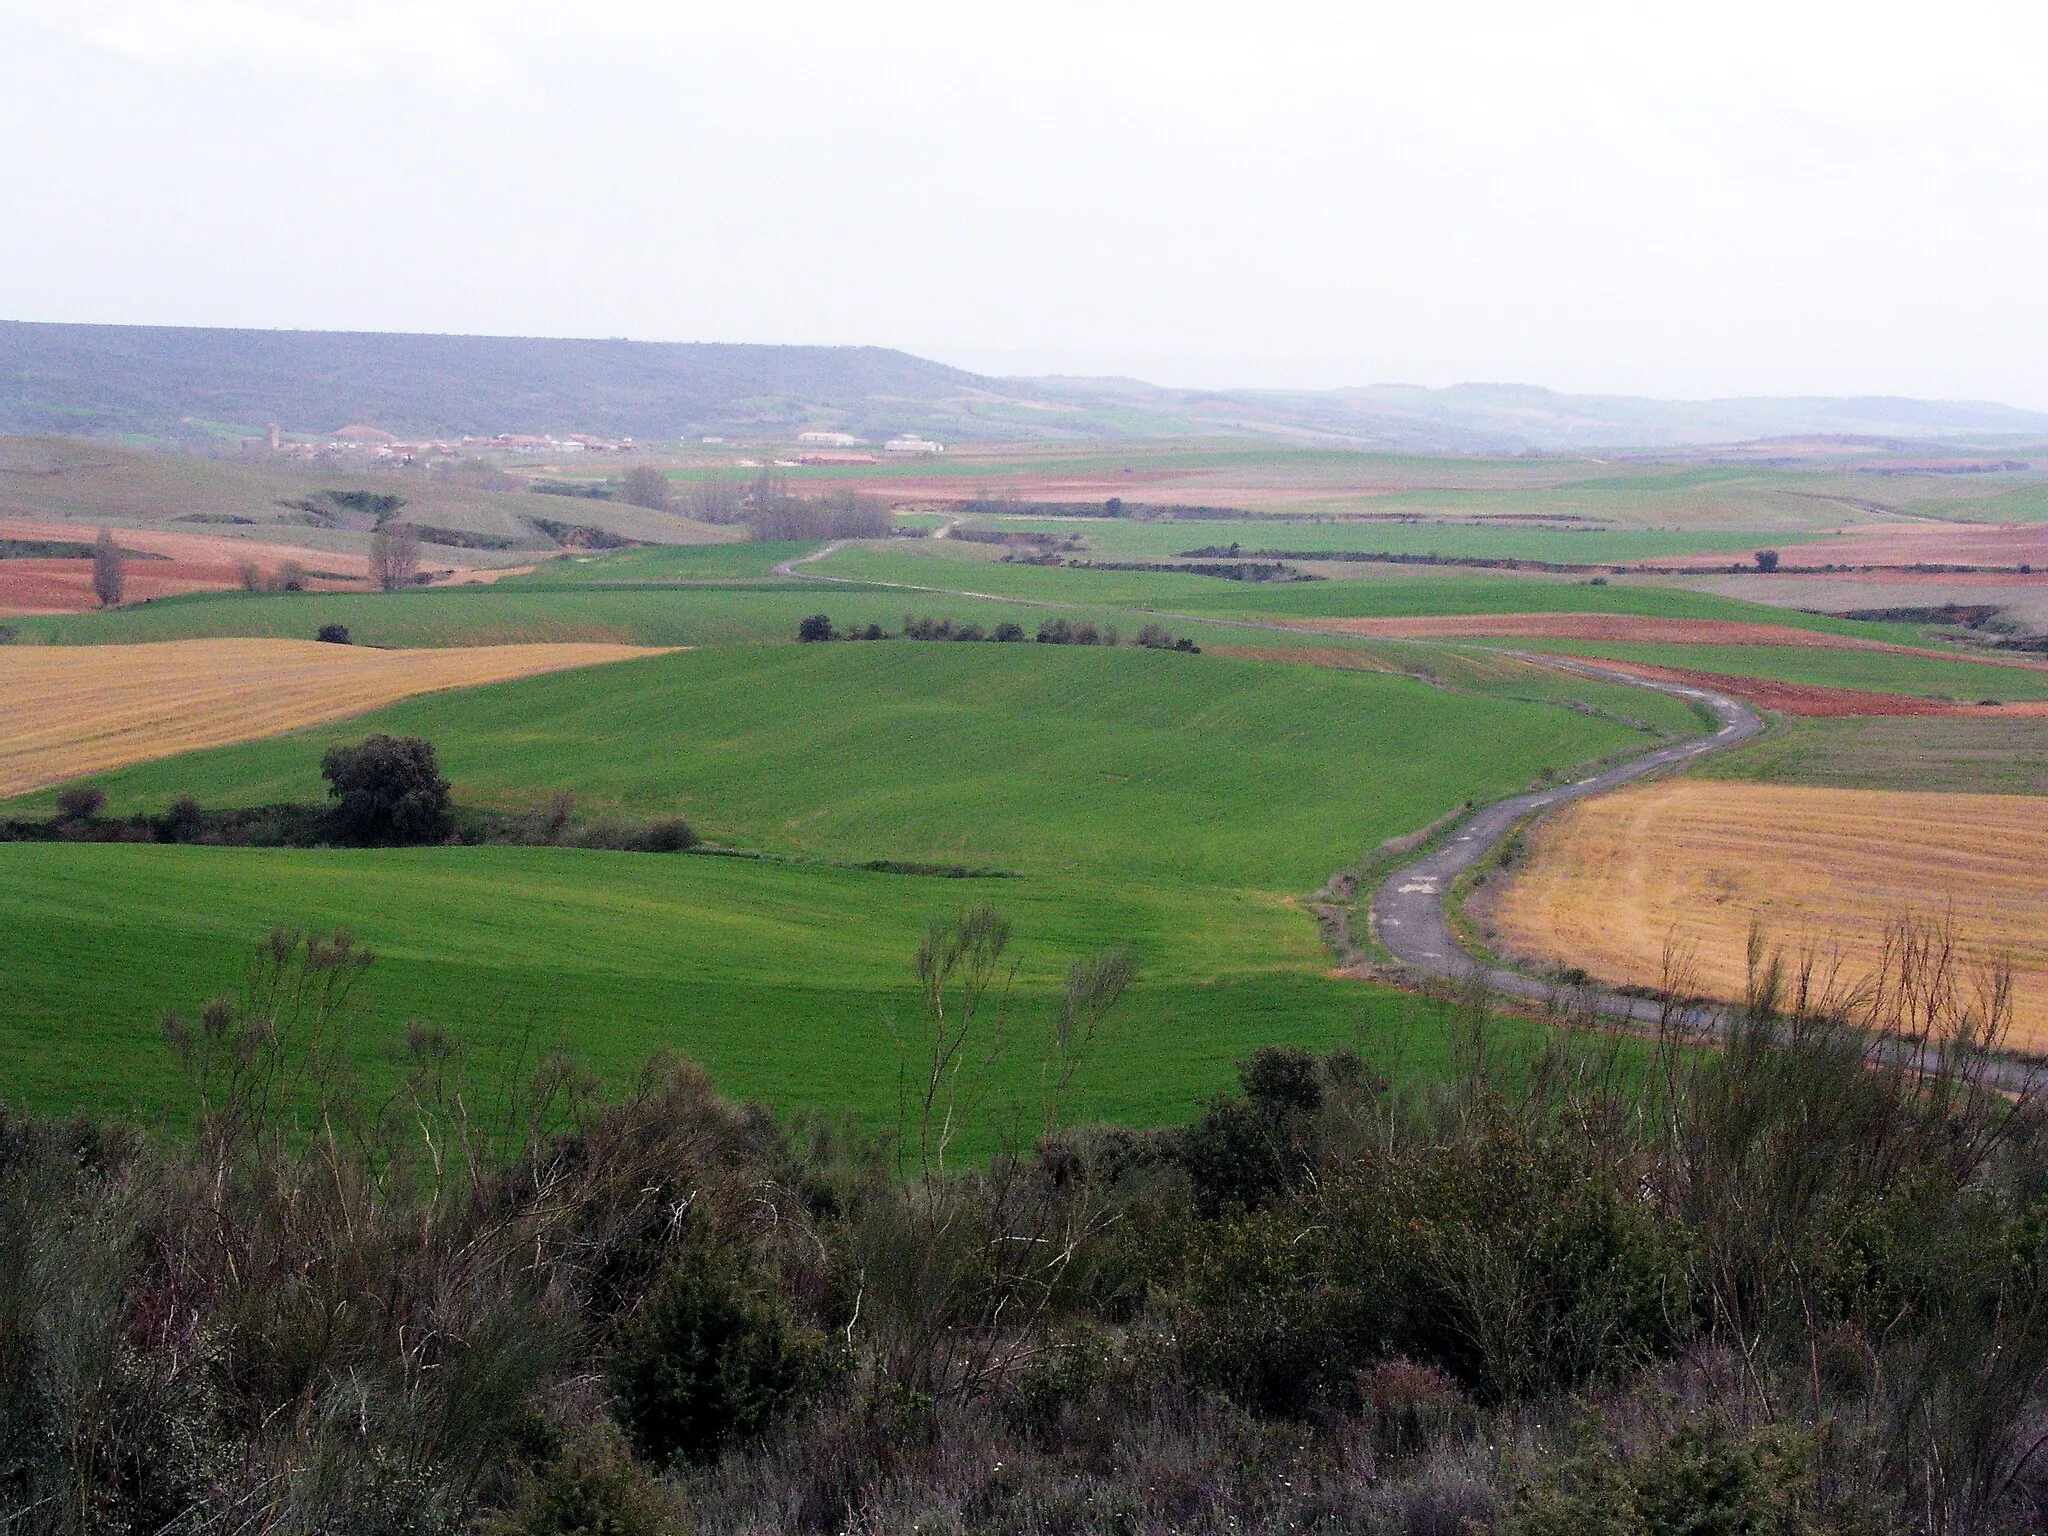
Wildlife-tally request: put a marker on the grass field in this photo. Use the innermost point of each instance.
(66, 711)
(1610, 881)
(1052, 759)
(1126, 538)
(1991, 757)
(1178, 803)
(1872, 671)
(1385, 592)
(792, 984)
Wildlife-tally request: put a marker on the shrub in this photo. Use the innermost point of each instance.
(591, 1488)
(1007, 632)
(1767, 560)
(672, 835)
(817, 627)
(1704, 1480)
(9, 633)
(334, 634)
(970, 632)
(81, 802)
(388, 789)
(291, 576)
(184, 820)
(708, 1360)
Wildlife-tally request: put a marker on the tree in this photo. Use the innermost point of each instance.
(1767, 560)
(334, 634)
(81, 802)
(817, 627)
(395, 556)
(645, 486)
(109, 576)
(388, 789)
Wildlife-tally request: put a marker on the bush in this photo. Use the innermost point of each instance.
(182, 823)
(388, 789)
(817, 627)
(334, 634)
(1704, 1480)
(81, 802)
(591, 1488)
(1767, 560)
(708, 1361)
(1007, 632)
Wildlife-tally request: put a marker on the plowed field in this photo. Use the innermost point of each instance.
(1812, 699)
(1609, 879)
(185, 562)
(72, 710)
(1907, 544)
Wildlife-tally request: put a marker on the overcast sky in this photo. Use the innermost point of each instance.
(1670, 199)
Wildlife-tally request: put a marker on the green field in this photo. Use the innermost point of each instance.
(1980, 757)
(792, 984)
(1179, 803)
(1051, 759)
(634, 615)
(1126, 538)
(1387, 592)
(1873, 671)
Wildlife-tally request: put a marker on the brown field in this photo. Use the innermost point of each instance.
(1814, 699)
(187, 562)
(1900, 544)
(1609, 880)
(66, 711)
(1627, 627)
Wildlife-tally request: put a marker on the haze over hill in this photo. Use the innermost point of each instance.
(195, 385)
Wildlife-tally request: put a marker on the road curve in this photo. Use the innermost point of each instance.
(1408, 909)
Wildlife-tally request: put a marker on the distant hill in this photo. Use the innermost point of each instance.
(172, 384)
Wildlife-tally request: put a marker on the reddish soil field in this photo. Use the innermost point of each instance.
(1809, 699)
(1627, 627)
(190, 562)
(1897, 544)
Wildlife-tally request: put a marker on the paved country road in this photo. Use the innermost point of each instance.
(1408, 910)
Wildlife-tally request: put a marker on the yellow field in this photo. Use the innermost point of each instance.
(72, 710)
(1608, 880)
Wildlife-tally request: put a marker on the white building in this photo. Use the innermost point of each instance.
(910, 442)
(828, 439)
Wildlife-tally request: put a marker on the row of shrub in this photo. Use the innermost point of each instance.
(1791, 1281)
(384, 791)
(819, 627)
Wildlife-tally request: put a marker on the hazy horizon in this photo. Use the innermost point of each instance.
(1799, 200)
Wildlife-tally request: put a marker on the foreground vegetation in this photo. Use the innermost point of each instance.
(1786, 1286)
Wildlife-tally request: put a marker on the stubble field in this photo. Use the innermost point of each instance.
(66, 711)
(1610, 882)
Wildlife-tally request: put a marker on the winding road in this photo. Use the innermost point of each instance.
(1408, 909)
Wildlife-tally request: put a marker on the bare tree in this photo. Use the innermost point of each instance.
(109, 570)
(645, 486)
(395, 556)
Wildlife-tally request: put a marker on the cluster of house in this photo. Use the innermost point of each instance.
(360, 441)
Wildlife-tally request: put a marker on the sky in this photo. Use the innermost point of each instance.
(1681, 200)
